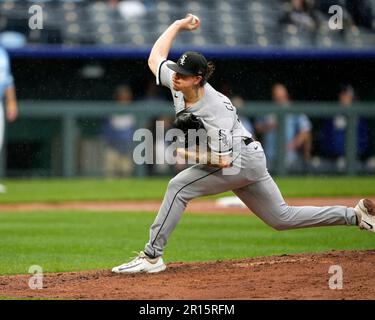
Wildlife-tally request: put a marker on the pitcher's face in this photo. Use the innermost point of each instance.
(181, 82)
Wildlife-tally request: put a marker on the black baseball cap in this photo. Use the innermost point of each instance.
(190, 63)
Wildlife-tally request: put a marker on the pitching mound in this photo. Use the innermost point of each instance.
(302, 276)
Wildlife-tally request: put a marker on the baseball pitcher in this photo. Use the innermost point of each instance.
(233, 161)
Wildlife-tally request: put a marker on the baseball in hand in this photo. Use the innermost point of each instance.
(194, 21)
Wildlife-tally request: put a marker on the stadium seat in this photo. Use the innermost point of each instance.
(297, 37)
(360, 37)
(231, 23)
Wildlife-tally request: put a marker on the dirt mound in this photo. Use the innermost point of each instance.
(302, 276)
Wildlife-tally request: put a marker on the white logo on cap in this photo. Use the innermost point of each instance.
(182, 59)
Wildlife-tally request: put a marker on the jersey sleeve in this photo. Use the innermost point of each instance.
(164, 75)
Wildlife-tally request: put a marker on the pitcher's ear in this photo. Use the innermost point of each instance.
(200, 79)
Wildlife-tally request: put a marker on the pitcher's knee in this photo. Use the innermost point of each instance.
(180, 189)
(175, 184)
(282, 220)
(280, 225)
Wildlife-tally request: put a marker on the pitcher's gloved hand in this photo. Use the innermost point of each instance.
(185, 121)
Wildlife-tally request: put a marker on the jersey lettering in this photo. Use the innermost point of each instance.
(228, 105)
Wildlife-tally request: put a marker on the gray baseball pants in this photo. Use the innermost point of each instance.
(252, 183)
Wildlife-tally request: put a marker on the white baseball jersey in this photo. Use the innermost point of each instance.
(215, 110)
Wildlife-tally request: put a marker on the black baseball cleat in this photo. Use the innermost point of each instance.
(365, 210)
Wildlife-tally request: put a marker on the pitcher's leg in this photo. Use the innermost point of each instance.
(191, 183)
(265, 200)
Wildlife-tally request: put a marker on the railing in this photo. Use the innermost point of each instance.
(68, 112)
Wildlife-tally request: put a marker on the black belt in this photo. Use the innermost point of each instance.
(248, 140)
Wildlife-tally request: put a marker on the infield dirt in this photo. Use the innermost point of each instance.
(303, 276)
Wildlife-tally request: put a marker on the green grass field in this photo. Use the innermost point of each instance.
(56, 190)
(71, 241)
(74, 240)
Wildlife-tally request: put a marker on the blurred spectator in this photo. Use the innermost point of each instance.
(301, 13)
(297, 133)
(238, 102)
(153, 92)
(118, 134)
(160, 147)
(333, 132)
(113, 4)
(324, 5)
(8, 94)
(361, 12)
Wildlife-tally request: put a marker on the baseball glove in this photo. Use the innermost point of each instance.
(185, 121)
